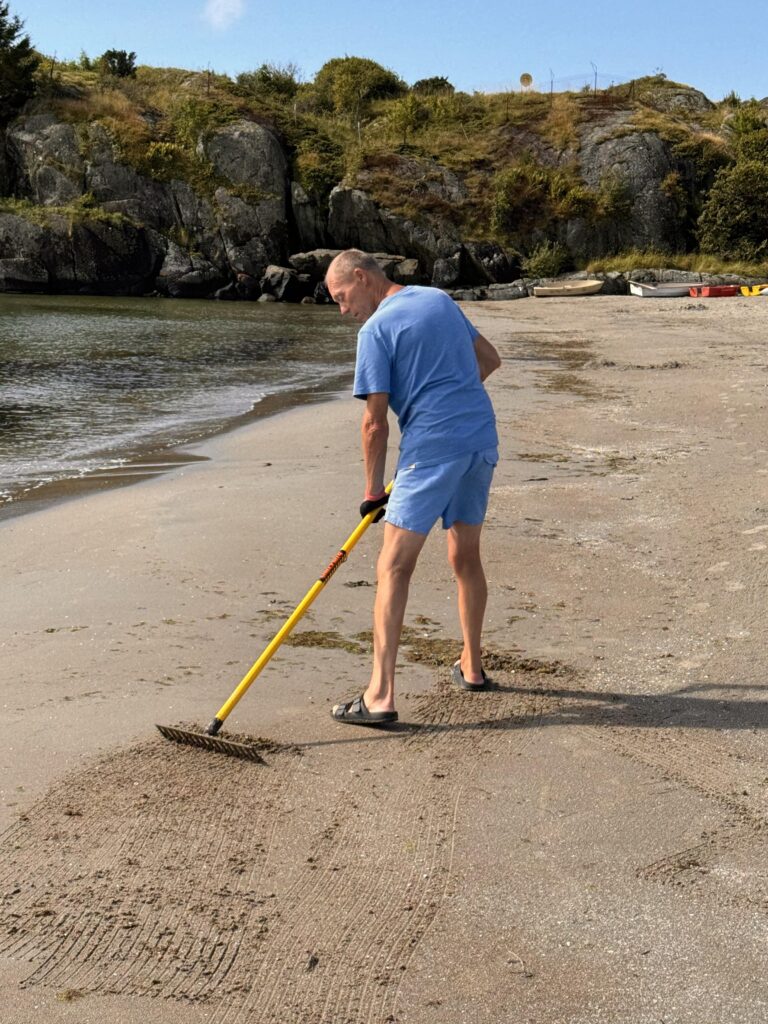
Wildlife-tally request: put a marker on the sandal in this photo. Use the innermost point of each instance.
(459, 679)
(356, 713)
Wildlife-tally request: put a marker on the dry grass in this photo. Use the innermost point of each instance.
(699, 263)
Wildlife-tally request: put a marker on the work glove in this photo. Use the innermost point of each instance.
(373, 502)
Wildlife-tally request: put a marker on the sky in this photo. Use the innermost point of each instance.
(484, 48)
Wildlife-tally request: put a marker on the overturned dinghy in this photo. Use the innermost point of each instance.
(658, 291)
(563, 288)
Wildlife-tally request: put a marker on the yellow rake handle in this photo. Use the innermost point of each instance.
(297, 614)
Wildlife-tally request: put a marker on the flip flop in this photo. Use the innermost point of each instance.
(356, 713)
(459, 679)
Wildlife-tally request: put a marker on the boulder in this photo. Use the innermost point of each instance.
(614, 283)
(253, 237)
(468, 294)
(492, 262)
(407, 272)
(507, 291)
(247, 287)
(283, 283)
(321, 294)
(446, 271)
(674, 98)
(315, 263)
(461, 267)
(188, 275)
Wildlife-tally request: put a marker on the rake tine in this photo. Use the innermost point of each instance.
(216, 744)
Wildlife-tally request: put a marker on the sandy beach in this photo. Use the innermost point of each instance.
(584, 843)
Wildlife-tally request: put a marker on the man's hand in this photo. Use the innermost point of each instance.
(372, 502)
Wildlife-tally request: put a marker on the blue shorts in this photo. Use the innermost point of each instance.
(456, 490)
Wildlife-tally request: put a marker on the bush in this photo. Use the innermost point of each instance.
(734, 221)
(547, 260)
(270, 80)
(164, 161)
(348, 85)
(520, 198)
(434, 86)
(529, 196)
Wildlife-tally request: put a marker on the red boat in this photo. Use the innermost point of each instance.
(714, 291)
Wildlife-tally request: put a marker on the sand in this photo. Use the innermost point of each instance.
(585, 843)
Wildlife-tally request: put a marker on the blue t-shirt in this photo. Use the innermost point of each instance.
(418, 347)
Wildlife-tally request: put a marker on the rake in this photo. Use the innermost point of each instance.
(209, 738)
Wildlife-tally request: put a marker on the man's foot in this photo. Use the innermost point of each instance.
(465, 684)
(355, 712)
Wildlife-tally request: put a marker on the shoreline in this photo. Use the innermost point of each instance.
(619, 763)
(150, 461)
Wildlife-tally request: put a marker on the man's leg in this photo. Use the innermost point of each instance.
(464, 556)
(397, 560)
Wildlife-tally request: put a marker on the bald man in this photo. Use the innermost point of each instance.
(419, 355)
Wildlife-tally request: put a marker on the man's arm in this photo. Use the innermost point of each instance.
(487, 357)
(375, 433)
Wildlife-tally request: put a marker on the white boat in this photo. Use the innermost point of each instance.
(563, 288)
(672, 290)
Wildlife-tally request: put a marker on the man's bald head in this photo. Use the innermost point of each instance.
(358, 284)
(343, 266)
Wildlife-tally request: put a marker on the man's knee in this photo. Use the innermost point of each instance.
(399, 553)
(464, 550)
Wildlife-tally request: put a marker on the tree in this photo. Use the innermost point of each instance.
(18, 64)
(734, 221)
(118, 63)
(406, 115)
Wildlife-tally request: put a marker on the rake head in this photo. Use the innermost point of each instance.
(216, 744)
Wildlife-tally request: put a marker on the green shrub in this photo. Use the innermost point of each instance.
(613, 201)
(164, 161)
(318, 162)
(347, 85)
(548, 259)
(734, 221)
(406, 116)
(434, 86)
(519, 199)
(274, 80)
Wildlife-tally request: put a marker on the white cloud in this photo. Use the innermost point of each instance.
(220, 14)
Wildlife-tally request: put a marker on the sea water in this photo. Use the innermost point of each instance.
(89, 385)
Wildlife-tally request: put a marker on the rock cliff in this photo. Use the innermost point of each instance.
(80, 216)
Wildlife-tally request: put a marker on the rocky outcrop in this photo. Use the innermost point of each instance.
(94, 257)
(673, 98)
(48, 165)
(245, 228)
(356, 221)
(611, 155)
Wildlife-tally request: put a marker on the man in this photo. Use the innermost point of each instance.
(417, 353)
